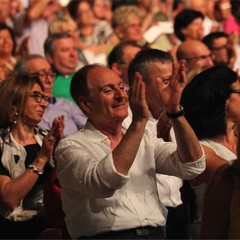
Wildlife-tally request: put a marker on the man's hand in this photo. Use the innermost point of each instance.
(170, 96)
(137, 99)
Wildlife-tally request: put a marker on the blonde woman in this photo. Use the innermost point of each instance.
(26, 153)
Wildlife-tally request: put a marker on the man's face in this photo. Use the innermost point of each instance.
(220, 51)
(65, 56)
(129, 52)
(108, 101)
(198, 56)
(161, 73)
(42, 68)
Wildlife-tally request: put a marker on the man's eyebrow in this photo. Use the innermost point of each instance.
(111, 85)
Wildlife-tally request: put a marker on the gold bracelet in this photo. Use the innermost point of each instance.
(36, 169)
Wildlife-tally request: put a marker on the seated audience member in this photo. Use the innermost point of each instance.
(188, 24)
(7, 51)
(221, 210)
(65, 24)
(206, 8)
(97, 36)
(102, 9)
(227, 13)
(211, 103)
(223, 48)
(31, 25)
(155, 12)
(121, 56)
(104, 166)
(9, 9)
(26, 153)
(195, 53)
(127, 23)
(157, 65)
(73, 117)
(62, 55)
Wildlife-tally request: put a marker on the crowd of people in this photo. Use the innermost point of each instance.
(119, 119)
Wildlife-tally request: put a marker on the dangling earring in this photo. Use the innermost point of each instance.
(15, 117)
(120, 35)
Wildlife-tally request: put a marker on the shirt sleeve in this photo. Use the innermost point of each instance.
(77, 115)
(3, 170)
(84, 170)
(168, 161)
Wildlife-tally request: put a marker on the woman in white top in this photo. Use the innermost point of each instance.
(211, 103)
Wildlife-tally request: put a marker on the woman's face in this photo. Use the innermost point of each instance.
(194, 30)
(233, 103)
(84, 14)
(6, 43)
(35, 106)
(133, 29)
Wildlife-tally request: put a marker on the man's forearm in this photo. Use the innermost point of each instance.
(188, 146)
(125, 153)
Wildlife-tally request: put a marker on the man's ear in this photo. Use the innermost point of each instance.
(49, 58)
(84, 104)
(116, 68)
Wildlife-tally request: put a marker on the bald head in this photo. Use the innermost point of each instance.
(195, 52)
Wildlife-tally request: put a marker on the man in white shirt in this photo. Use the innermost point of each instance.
(107, 172)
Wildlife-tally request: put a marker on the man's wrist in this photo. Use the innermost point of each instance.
(176, 115)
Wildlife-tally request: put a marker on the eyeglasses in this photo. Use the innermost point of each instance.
(38, 97)
(235, 91)
(219, 48)
(134, 25)
(44, 74)
(202, 57)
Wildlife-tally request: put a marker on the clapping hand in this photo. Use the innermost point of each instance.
(137, 99)
(54, 135)
(170, 96)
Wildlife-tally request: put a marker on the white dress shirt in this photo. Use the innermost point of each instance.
(168, 186)
(97, 199)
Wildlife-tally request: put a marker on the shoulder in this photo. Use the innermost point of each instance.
(222, 178)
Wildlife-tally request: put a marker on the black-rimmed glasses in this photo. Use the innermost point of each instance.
(44, 74)
(38, 97)
(202, 57)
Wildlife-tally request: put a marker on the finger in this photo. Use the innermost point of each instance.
(182, 72)
(135, 86)
(142, 91)
(175, 74)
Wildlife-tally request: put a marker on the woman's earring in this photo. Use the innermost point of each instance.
(15, 117)
(120, 35)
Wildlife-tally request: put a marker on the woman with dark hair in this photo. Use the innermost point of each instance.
(211, 102)
(7, 51)
(188, 24)
(97, 36)
(25, 156)
(222, 200)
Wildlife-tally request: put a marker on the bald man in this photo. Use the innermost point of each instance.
(196, 53)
